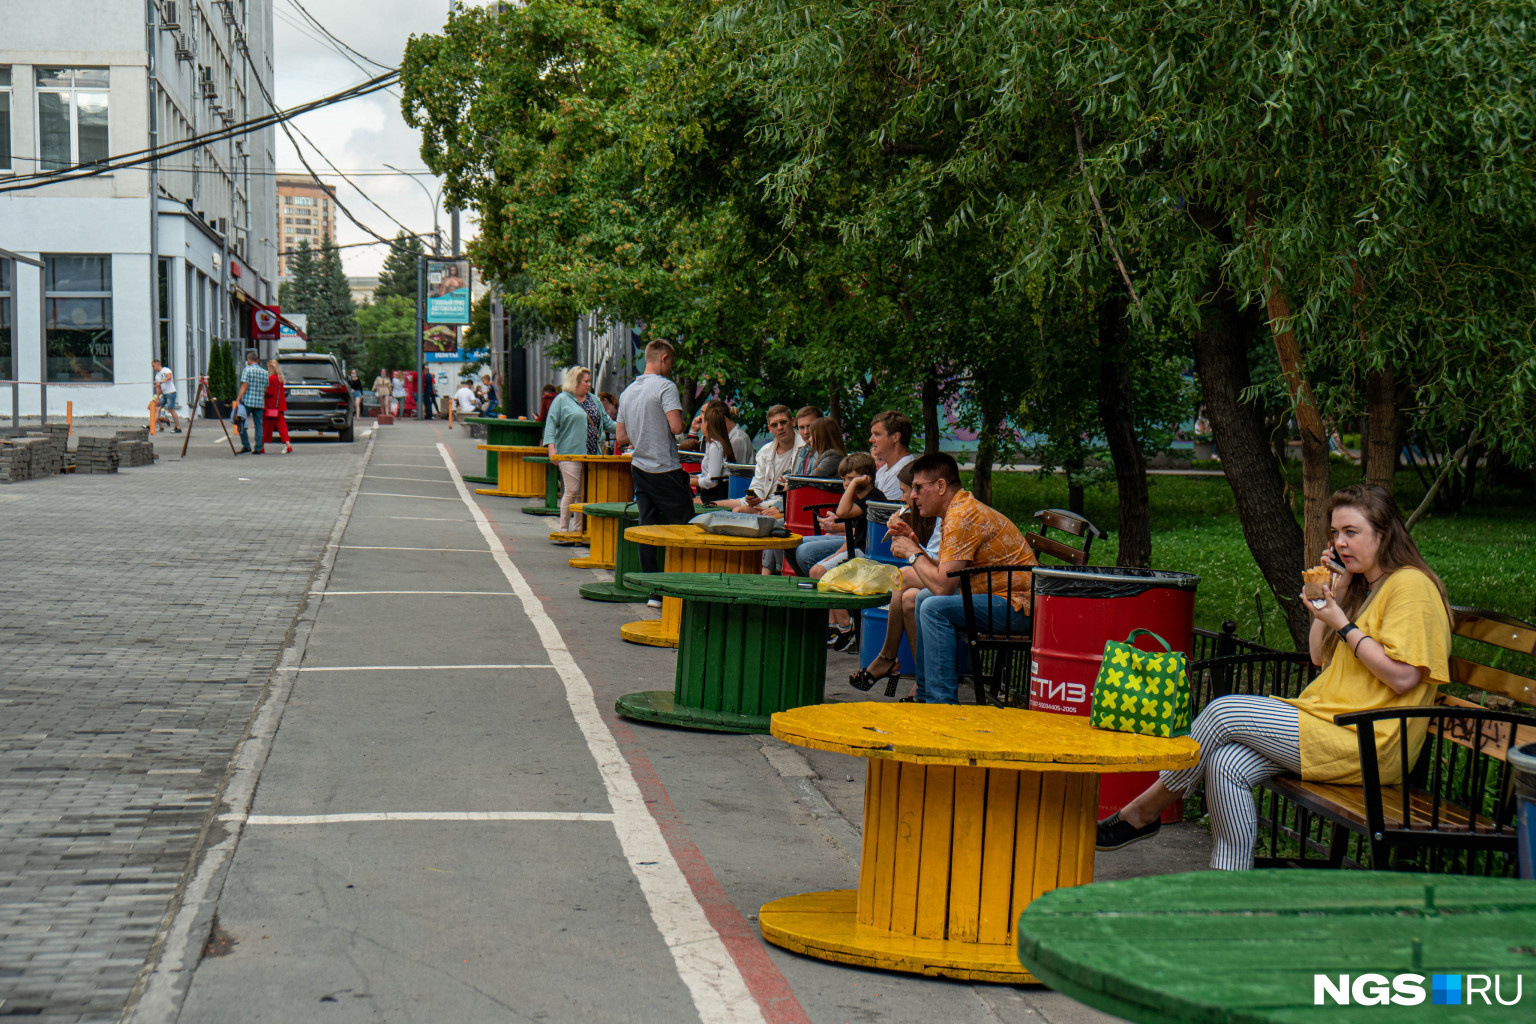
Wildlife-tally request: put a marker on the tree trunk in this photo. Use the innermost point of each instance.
(986, 448)
(931, 436)
(1117, 417)
(1315, 481)
(1253, 469)
(1380, 454)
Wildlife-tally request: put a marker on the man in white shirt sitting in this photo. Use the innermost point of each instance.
(774, 459)
(890, 442)
(465, 397)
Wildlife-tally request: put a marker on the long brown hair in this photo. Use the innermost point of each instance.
(921, 525)
(715, 426)
(826, 435)
(1395, 549)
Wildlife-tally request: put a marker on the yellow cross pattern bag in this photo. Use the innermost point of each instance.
(1141, 692)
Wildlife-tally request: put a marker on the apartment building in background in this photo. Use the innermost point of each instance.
(156, 260)
(306, 211)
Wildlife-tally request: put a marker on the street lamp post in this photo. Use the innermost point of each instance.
(421, 327)
(437, 235)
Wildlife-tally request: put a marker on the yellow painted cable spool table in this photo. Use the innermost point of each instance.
(604, 478)
(515, 477)
(693, 549)
(970, 813)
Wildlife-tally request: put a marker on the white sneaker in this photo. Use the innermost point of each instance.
(654, 602)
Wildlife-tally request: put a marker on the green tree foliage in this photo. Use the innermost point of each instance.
(478, 333)
(1025, 209)
(387, 332)
(333, 317)
(398, 276)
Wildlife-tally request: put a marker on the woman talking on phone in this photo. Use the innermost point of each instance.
(1381, 634)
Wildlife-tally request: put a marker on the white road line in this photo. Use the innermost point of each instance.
(409, 668)
(397, 447)
(337, 819)
(384, 547)
(390, 494)
(407, 479)
(407, 465)
(415, 519)
(436, 593)
(720, 993)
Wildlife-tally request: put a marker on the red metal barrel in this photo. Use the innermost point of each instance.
(1080, 608)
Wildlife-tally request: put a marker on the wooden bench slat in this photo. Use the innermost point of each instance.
(1346, 804)
(1494, 680)
(1499, 630)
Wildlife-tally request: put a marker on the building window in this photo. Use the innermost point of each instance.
(6, 369)
(165, 312)
(304, 200)
(5, 118)
(79, 318)
(71, 117)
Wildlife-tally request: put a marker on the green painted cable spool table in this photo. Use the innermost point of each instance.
(1244, 946)
(749, 646)
(604, 478)
(519, 433)
(606, 522)
(970, 813)
(693, 549)
(551, 506)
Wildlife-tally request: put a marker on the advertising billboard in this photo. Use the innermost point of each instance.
(447, 286)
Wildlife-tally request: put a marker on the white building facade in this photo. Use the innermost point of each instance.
(157, 260)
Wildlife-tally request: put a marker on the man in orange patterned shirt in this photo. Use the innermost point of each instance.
(973, 535)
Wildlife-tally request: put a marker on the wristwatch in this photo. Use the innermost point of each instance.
(1345, 630)
(912, 559)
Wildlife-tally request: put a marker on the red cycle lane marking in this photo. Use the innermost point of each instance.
(764, 979)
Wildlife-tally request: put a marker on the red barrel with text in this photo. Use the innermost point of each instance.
(1080, 608)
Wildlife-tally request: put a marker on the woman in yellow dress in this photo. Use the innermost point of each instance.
(1382, 636)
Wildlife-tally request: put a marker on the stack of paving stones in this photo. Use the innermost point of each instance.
(96, 455)
(134, 448)
(15, 462)
(30, 457)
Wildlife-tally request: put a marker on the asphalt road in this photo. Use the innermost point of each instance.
(423, 806)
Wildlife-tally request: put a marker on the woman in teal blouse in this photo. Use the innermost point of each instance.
(575, 425)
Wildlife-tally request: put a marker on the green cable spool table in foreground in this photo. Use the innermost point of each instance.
(749, 646)
(503, 432)
(1244, 946)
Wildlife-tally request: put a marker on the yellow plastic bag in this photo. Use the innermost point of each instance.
(861, 576)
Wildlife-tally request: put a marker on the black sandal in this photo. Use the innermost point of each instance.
(862, 680)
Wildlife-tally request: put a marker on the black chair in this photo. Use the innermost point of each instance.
(1069, 523)
(998, 649)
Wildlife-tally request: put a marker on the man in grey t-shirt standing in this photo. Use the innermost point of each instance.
(650, 418)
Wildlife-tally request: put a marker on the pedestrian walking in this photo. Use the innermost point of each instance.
(355, 386)
(397, 395)
(251, 400)
(492, 396)
(165, 385)
(650, 418)
(274, 408)
(428, 394)
(381, 389)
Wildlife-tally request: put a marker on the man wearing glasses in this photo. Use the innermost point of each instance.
(973, 535)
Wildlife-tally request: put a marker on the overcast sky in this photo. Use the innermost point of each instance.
(362, 134)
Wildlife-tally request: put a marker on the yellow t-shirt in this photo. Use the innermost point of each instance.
(1408, 618)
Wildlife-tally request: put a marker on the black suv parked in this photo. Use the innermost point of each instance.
(318, 398)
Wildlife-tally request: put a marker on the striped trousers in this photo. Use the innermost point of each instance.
(1243, 741)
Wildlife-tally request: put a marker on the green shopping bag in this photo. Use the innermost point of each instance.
(1141, 692)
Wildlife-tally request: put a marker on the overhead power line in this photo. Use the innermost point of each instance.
(138, 157)
(329, 35)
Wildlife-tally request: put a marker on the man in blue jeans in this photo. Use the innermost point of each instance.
(974, 535)
(252, 396)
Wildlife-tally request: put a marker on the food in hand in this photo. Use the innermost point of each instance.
(1313, 581)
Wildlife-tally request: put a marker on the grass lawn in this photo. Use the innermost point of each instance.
(1486, 554)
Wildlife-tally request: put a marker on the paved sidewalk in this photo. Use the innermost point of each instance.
(140, 616)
